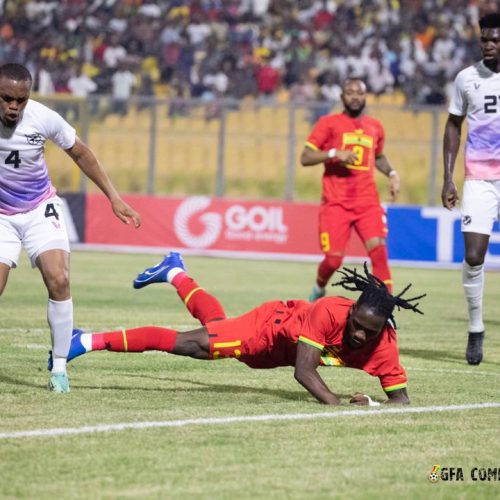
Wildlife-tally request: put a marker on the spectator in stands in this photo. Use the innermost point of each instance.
(299, 35)
(122, 84)
(81, 85)
(114, 53)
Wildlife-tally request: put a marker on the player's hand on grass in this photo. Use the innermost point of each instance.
(363, 400)
(449, 195)
(125, 212)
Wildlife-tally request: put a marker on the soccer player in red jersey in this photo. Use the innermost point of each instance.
(333, 331)
(350, 145)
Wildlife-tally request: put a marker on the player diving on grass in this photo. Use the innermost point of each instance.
(333, 331)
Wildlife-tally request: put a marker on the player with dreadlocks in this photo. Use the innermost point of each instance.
(333, 331)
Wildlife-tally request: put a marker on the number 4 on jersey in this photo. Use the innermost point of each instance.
(50, 211)
(13, 159)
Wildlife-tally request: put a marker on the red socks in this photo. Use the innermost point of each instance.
(202, 306)
(380, 265)
(145, 338)
(327, 267)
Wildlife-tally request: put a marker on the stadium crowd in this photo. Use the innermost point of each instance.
(301, 49)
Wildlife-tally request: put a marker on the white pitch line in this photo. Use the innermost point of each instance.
(460, 372)
(232, 420)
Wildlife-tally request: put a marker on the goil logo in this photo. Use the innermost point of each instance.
(257, 219)
(211, 222)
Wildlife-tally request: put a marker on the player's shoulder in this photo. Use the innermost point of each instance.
(474, 71)
(330, 118)
(36, 105)
(369, 119)
(37, 109)
(336, 302)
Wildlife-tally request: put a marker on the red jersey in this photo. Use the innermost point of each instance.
(349, 184)
(267, 337)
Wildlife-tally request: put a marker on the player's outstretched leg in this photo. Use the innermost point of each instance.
(200, 304)
(163, 272)
(134, 340)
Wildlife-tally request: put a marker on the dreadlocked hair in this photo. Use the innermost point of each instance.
(375, 294)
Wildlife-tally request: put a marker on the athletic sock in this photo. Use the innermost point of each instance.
(380, 265)
(60, 319)
(473, 282)
(201, 305)
(145, 338)
(176, 274)
(326, 269)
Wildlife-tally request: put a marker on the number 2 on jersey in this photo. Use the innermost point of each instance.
(13, 159)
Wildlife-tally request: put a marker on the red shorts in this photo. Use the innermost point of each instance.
(336, 223)
(251, 337)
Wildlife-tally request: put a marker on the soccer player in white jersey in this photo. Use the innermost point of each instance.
(30, 211)
(477, 96)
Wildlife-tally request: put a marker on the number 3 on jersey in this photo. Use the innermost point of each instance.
(13, 159)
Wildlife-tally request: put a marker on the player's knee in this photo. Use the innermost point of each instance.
(58, 286)
(374, 243)
(194, 344)
(474, 257)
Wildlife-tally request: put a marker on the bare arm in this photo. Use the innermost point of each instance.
(310, 157)
(307, 375)
(399, 396)
(451, 145)
(382, 165)
(83, 156)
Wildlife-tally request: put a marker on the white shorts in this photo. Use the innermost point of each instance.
(480, 206)
(37, 231)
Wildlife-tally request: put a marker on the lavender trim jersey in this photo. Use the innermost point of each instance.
(476, 94)
(24, 178)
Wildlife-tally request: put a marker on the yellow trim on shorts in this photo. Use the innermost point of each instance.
(221, 345)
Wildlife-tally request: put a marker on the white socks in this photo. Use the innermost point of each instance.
(60, 318)
(173, 273)
(473, 281)
(86, 340)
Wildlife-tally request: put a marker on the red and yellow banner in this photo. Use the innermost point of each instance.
(209, 225)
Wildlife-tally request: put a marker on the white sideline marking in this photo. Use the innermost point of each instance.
(444, 370)
(64, 431)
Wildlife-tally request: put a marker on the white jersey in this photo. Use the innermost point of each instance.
(476, 93)
(24, 178)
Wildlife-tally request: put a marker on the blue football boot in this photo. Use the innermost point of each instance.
(158, 273)
(76, 348)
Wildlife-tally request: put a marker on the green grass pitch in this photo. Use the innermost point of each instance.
(351, 456)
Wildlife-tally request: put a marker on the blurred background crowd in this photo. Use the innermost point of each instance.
(274, 49)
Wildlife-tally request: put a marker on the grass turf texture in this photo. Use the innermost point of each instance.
(372, 456)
